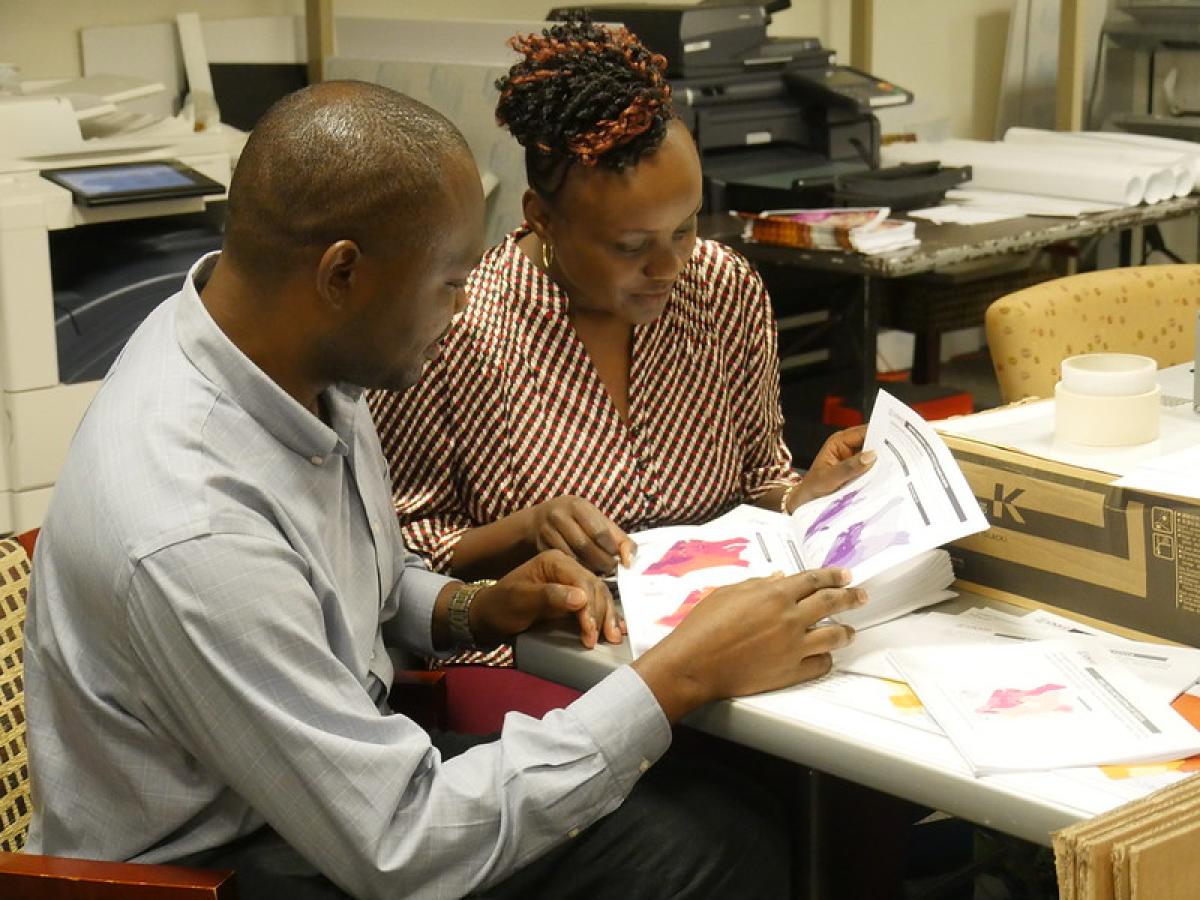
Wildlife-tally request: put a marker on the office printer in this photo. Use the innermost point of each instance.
(75, 280)
(777, 122)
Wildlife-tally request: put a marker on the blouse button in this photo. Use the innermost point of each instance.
(316, 460)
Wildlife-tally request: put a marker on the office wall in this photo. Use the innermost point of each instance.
(42, 36)
(950, 55)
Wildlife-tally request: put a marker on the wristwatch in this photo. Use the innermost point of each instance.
(458, 619)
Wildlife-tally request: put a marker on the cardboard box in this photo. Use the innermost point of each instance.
(1141, 849)
(1065, 538)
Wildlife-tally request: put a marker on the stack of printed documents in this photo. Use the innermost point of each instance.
(1038, 692)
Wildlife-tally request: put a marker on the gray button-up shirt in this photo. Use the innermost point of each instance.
(204, 648)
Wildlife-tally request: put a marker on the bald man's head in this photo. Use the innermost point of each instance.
(339, 160)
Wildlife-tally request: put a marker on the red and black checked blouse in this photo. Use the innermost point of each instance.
(513, 413)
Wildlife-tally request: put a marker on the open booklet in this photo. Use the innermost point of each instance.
(883, 527)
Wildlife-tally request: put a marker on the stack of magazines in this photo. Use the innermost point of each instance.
(856, 229)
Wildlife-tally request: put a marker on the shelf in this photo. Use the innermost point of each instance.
(1174, 35)
(1184, 128)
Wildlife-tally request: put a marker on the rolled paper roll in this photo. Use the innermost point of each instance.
(1190, 149)
(1105, 421)
(1109, 374)
(1040, 170)
(1178, 169)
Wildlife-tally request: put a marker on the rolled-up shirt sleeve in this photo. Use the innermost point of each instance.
(408, 612)
(247, 667)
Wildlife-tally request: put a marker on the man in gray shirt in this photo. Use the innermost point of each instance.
(221, 568)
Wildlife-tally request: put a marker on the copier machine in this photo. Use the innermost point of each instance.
(76, 279)
(776, 120)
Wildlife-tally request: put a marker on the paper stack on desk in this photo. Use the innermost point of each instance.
(1040, 705)
(858, 229)
(1166, 670)
(1039, 692)
(883, 527)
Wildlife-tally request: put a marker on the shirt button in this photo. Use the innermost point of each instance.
(574, 832)
(316, 460)
(643, 765)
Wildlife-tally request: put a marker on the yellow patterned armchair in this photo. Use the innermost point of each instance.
(27, 877)
(1150, 310)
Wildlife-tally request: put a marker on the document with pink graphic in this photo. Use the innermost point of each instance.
(1038, 705)
(913, 499)
(884, 527)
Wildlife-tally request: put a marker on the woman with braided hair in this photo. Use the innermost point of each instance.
(611, 372)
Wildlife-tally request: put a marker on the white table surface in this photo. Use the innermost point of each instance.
(880, 753)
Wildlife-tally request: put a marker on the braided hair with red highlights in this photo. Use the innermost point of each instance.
(583, 93)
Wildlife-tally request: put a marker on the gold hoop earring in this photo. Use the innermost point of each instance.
(547, 255)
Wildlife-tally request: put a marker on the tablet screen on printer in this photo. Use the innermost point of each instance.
(132, 182)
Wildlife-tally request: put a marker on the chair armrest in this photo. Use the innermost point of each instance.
(25, 876)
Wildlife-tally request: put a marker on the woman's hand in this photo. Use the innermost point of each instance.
(581, 531)
(836, 463)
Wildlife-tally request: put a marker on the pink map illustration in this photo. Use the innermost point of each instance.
(693, 555)
(1023, 702)
(685, 607)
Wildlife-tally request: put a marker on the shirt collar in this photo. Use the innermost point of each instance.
(226, 366)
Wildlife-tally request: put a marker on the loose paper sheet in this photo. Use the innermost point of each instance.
(1043, 705)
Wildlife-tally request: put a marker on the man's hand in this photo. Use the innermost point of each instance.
(549, 586)
(756, 636)
(579, 530)
(837, 462)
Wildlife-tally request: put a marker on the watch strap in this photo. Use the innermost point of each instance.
(458, 619)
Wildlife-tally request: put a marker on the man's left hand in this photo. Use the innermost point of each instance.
(836, 463)
(550, 586)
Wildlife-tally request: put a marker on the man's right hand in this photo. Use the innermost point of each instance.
(578, 529)
(747, 638)
(550, 586)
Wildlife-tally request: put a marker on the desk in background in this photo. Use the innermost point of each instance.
(941, 246)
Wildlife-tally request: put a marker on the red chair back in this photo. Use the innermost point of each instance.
(28, 539)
